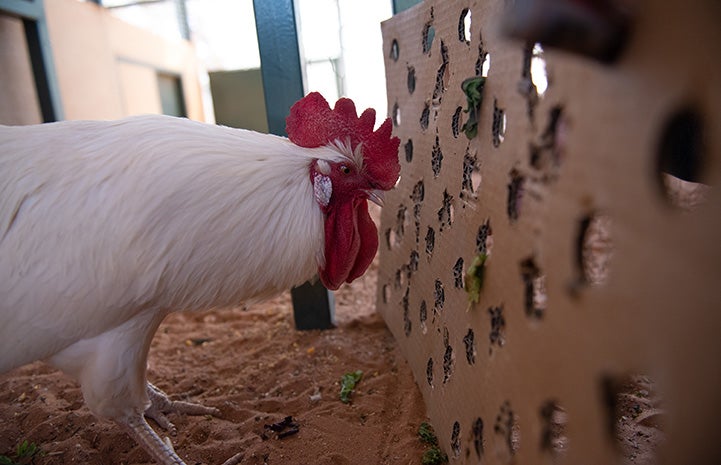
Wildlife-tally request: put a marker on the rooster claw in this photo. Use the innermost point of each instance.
(160, 404)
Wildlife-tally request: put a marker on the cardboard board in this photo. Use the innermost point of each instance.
(593, 274)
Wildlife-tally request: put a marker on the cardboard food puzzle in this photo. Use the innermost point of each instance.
(551, 256)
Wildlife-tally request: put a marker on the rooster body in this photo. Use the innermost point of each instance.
(106, 227)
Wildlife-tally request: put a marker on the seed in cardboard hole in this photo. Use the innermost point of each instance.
(464, 26)
(595, 249)
(429, 33)
(456, 122)
(425, 117)
(448, 359)
(439, 296)
(534, 289)
(430, 241)
(477, 430)
(497, 335)
(440, 86)
(458, 274)
(456, 439)
(507, 427)
(483, 63)
(395, 50)
(446, 212)
(471, 178)
(469, 341)
(682, 157)
(436, 158)
(499, 124)
(515, 195)
(411, 79)
(423, 316)
(408, 146)
(396, 115)
(406, 317)
(553, 428)
(429, 372)
(418, 192)
(484, 238)
(633, 404)
(402, 220)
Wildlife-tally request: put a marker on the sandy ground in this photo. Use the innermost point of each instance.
(257, 369)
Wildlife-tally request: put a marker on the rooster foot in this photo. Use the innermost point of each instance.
(160, 450)
(160, 405)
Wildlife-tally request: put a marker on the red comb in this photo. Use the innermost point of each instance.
(312, 123)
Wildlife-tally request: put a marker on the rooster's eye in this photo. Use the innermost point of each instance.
(344, 169)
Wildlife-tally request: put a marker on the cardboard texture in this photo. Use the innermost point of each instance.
(558, 322)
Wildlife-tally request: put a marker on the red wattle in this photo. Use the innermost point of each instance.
(351, 242)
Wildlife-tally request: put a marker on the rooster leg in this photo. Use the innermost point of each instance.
(160, 404)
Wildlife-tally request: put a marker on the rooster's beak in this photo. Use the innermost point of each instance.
(376, 196)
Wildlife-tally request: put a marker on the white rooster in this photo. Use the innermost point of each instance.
(106, 227)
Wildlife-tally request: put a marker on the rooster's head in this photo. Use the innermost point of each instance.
(366, 166)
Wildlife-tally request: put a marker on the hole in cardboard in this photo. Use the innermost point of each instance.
(539, 74)
(441, 76)
(418, 192)
(464, 26)
(423, 316)
(417, 196)
(681, 160)
(636, 418)
(395, 50)
(448, 359)
(499, 124)
(551, 151)
(406, 317)
(456, 439)
(497, 335)
(429, 372)
(425, 117)
(471, 178)
(507, 427)
(483, 63)
(413, 261)
(430, 241)
(595, 249)
(469, 341)
(436, 158)
(456, 122)
(399, 280)
(477, 430)
(534, 282)
(396, 115)
(515, 195)
(389, 238)
(439, 296)
(402, 221)
(458, 273)
(408, 148)
(484, 238)
(386, 293)
(429, 33)
(411, 79)
(446, 214)
(553, 428)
